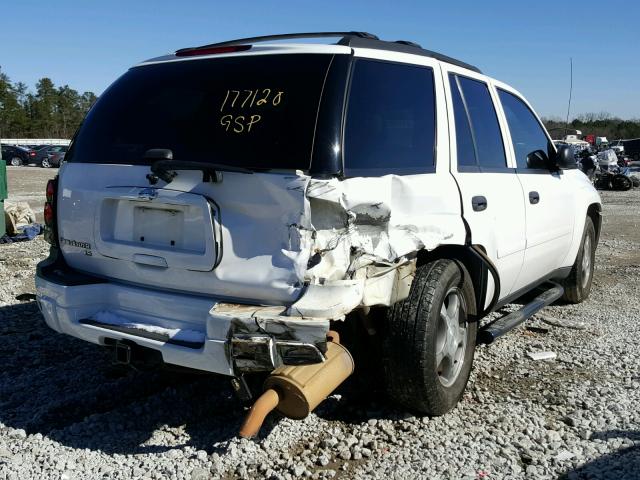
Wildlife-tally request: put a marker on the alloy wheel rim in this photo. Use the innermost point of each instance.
(45, 163)
(15, 161)
(451, 338)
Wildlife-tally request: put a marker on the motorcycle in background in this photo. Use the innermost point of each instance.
(605, 172)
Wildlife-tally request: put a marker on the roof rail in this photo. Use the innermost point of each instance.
(403, 46)
(349, 39)
(284, 36)
(407, 42)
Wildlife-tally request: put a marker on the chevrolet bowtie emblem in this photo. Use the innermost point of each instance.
(147, 194)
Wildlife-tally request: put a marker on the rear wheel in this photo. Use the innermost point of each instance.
(429, 340)
(578, 284)
(16, 161)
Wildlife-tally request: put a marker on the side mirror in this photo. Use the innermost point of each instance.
(538, 159)
(564, 158)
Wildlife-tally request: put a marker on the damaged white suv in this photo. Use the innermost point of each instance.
(226, 206)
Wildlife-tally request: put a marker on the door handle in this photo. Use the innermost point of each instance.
(151, 260)
(534, 197)
(479, 203)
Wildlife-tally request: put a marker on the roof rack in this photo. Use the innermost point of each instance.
(407, 42)
(349, 39)
(283, 36)
(403, 46)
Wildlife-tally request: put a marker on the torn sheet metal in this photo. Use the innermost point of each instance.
(386, 286)
(333, 300)
(362, 235)
(228, 319)
(353, 242)
(263, 338)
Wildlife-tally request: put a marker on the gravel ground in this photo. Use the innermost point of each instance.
(66, 412)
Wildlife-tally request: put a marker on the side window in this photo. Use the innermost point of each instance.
(464, 138)
(482, 124)
(527, 135)
(391, 119)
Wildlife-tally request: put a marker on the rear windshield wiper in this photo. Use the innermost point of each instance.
(165, 168)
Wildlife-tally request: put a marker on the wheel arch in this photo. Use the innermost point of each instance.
(587, 205)
(473, 269)
(594, 212)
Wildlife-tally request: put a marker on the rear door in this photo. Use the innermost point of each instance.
(492, 201)
(550, 208)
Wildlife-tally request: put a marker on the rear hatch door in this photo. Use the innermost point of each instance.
(235, 238)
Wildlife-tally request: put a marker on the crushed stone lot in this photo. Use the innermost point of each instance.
(67, 413)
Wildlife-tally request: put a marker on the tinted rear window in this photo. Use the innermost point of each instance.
(252, 111)
(390, 125)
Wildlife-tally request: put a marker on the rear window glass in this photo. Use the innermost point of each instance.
(252, 111)
(390, 125)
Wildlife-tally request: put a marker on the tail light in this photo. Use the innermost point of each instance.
(32, 154)
(50, 234)
(51, 190)
(48, 214)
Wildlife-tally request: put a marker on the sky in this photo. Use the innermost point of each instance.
(87, 44)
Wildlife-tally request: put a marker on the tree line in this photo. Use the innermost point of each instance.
(601, 124)
(56, 112)
(49, 112)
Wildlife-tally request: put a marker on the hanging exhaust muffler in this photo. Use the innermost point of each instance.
(296, 390)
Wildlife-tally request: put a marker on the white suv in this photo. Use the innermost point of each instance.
(224, 207)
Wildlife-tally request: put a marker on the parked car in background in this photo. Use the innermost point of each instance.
(45, 155)
(42, 152)
(54, 159)
(617, 146)
(17, 156)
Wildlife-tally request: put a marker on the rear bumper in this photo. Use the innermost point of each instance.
(234, 338)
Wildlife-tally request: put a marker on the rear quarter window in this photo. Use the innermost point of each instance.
(391, 119)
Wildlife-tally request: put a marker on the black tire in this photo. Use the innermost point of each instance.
(635, 181)
(16, 161)
(410, 340)
(621, 182)
(45, 163)
(578, 284)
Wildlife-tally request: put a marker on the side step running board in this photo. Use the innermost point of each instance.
(502, 325)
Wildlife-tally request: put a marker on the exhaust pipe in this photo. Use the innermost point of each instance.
(296, 390)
